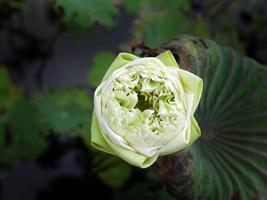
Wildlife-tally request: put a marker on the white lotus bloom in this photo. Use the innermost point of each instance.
(143, 109)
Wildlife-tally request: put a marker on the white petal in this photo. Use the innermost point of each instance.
(103, 125)
(147, 151)
(183, 137)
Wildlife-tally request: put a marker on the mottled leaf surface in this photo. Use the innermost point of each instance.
(83, 13)
(66, 110)
(230, 158)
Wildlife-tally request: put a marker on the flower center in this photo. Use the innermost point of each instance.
(143, 103)
(145, 108)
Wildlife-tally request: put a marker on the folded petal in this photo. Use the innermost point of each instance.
(101, 142)
(195, 131)
(167, 58)
(193, 84)
(183, 138)
(120, 60)
(97, 141)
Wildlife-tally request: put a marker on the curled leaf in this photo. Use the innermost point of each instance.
(230, 158)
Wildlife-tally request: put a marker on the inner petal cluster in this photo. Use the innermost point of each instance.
(145, 106)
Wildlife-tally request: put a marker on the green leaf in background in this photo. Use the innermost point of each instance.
(230, 158)
(5, 85)
(116, 173)
(12, 4)
(20, 125)
(100, 63)
(133, 7)
(2, 134)
(24, 136)
(138, 6)
(170, 4)
(5, 81)
(8, 92)
(155, 28)
(144, 190)
(84, 13)
(66, 110)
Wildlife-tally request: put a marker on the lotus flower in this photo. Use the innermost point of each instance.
(144, 109)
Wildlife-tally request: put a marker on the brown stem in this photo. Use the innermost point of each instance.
(175, 172)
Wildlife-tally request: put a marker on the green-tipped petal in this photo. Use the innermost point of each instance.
(195, 131)
(174, 146)
(120, 60)
(97, 141)
(193, 84)
(167, 58)
(183, 138)
(101, 142)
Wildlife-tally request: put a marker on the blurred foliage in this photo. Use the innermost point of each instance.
(233, 23)
(99, 66)
(84, 13)
(21, 134)
(144, 191)
(138, 6)
(114, 172)
(24, 135)
(27, 120)
(8, 92)
(159, 21)
(11, 4)
(156, 28)
(65, 111)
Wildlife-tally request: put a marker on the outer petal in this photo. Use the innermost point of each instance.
(183, 138)
(101, 121)
(192, 84)
(120, 60)
(194, 135)
(167, 58)
(97, 140)
(101, 142)
(195, 131)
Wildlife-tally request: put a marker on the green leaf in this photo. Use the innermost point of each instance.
(100, 63)
(144, 190)
(170, 3)
(2, 134)
(163, 195)
(65, 111)
(16, 4)
(231, 155)
(84, 13)
(138, 6)
(8, 93)
(5, 81)
(116, 172)
(86, 132)
(5, 87)
(25, 132)
(133, 7)
(156, 28)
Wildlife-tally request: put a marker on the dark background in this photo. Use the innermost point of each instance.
(53, 57)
